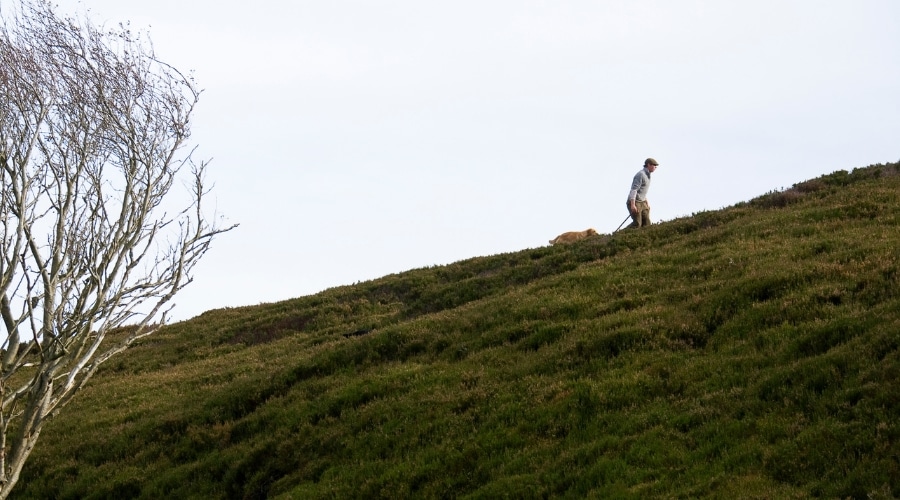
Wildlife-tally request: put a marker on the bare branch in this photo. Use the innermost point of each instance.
(93, 139)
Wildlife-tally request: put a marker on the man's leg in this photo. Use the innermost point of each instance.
(635, 218)
(645, 216)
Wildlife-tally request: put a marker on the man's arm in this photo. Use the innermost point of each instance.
(632, 195)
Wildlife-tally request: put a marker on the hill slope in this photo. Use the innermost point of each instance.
(750, 351)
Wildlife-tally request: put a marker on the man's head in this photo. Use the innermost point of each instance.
(650, 164)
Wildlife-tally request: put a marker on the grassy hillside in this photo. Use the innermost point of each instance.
(748, 352)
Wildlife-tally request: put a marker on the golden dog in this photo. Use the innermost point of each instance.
(573, 236)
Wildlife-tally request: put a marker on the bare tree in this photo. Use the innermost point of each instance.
(93, 138)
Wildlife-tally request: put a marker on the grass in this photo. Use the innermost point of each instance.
(746, 352)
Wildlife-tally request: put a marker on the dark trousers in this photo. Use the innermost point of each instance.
(642, 217)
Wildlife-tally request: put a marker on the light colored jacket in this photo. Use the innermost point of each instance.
(640, 186)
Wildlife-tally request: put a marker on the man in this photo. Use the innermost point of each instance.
(637, 204)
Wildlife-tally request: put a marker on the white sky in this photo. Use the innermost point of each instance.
(355, 139)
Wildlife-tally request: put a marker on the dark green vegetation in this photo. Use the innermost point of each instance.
(752, 351)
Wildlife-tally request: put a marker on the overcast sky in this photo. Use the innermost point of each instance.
(356, 139)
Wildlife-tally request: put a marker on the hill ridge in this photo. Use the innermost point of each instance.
(748, 351)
